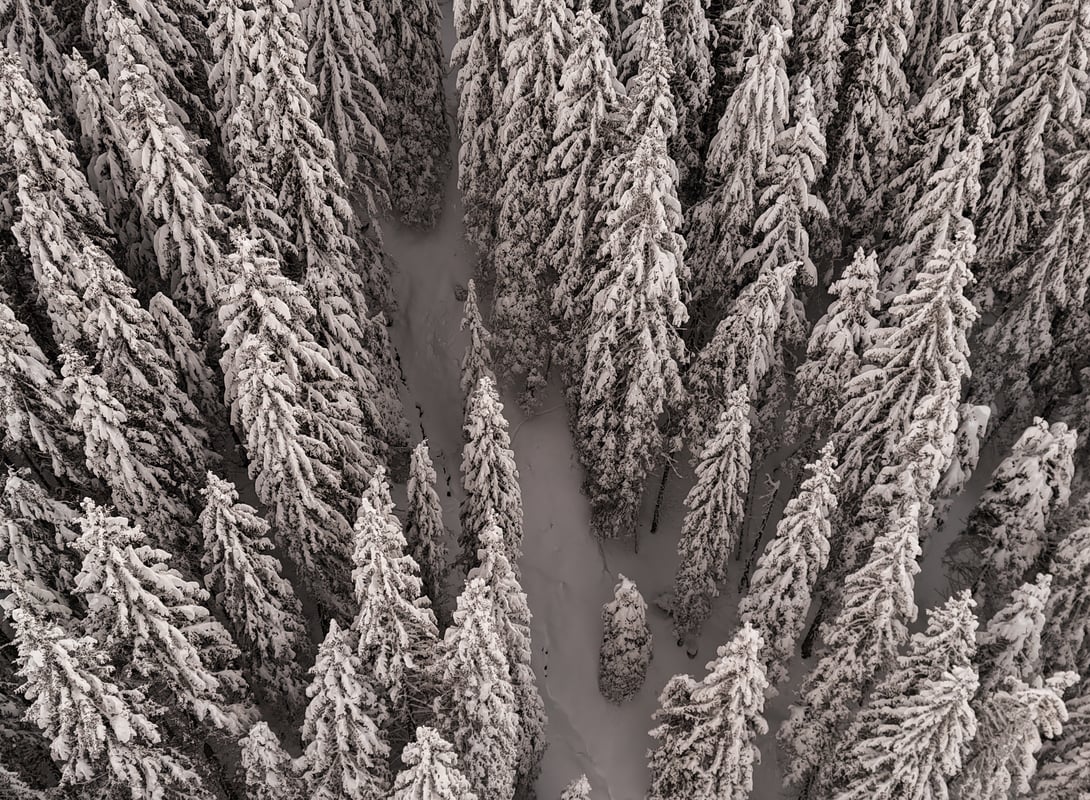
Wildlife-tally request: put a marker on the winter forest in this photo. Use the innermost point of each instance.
(559, 399)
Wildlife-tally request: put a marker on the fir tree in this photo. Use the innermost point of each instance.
(270, 774)
(1065, 771)
(789, 204)
(395, 623)
(167, 52)
(431, 770)
(475, 706)
(532, 63)
(914, 732)
(712, 752)
(838, 342)
(512, 622)
(1038, 109)
(345, 753)
(482, 28)
(579, 789)
(149, 619)
(246, 582)
(1067, 627)
(259, 300)
(740, 159)
(691, 38)
(347, 68)
(712, 530)
(1009, 523)
(169, 179)
(634, 348)
(477, 361)
(1010, 726)
(924, 349)
(425, 532)
(1010, 646)
(870, 114)
(627, 644)
(35, 426)
(972, 428)
(588, 105)
(416, 129)
(35, 533)
(876, 606)
(778, 599)
(136, 484)
(741, 353)
(490, 478)
(29, 32)
(95, 733)
(289, 469)
(1049, 281)
(819, 52)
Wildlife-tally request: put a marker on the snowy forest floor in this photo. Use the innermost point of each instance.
(567, 573)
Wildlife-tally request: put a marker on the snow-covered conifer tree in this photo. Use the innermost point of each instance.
(1010, 646)
(626, 643)
(513, 624)
(431, 770)
(914, 742)
(174, 195)
(1064, 769)
(1046, 283)
(95, 732)
(739, 162)
(289, 469)
(103, 144)
(778, 600)
(1041, 103)
(837, 343)
(579, 789)
(1009, 523)
(425, 532)
(259, 300)
(35, 532)
(972, 428)
(532, 63)
(30, 31)
(1067, 630)
(712, 530)
(909, 701)
(877, 604)
(395, 623)
(346, 754)
(490, 478)
(740, 354)
(156, 629)
(270, 773)
(33, 410)
(818, 51)
(245, 580)
(1011, 724)
(870, 115)
(924, 349)
(477, 361)
(346, 66)
(483, 31)
(588, 105)
(788, 201)
(416, 129)
(633, 327)
(691, 38)
(712, 752)
(475, 705)
(168, 50)
(114, 456)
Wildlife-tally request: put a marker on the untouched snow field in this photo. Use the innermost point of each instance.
(567, 573)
